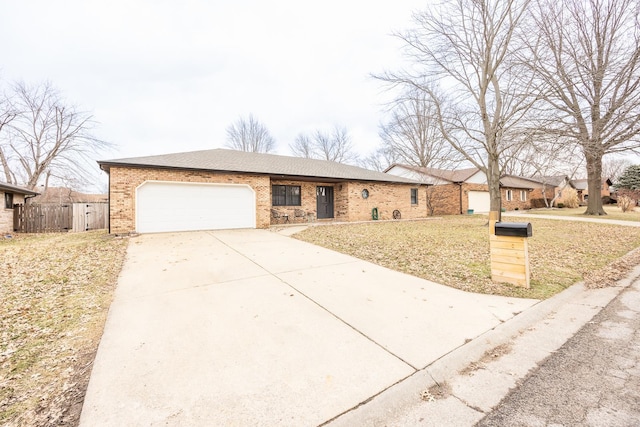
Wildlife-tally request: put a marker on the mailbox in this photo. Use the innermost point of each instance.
(517, 229)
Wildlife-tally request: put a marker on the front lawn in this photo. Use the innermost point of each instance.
(54, 297)
(613, 212)
(454, 250)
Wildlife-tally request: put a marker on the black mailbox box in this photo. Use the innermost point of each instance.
(517, 229)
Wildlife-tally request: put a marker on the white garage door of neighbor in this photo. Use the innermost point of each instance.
(479, 201)
(181, 206)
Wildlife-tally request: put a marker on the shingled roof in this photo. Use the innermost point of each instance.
(255, 163)
(10, 188)
(513, 181)
(458, 175)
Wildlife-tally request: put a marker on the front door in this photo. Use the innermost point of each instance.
(324, 202)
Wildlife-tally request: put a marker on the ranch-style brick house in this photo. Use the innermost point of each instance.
(223, 189)
(459, 191)
(11, 195)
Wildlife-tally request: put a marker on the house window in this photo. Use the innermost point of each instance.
(8, 200)
(414, 196)
(523, 195)
(509, 195)
(285, 195)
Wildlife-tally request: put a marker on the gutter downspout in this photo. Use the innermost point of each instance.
(460, 184)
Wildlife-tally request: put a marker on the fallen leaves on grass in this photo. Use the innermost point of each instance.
(55, 293)
(454, 250)
(611, 273)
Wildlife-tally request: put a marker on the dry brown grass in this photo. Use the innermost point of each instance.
(55, 293)
(454, 250)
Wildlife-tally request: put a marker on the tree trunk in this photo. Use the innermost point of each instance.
(493, 181)
(5, 167)
(594, 180)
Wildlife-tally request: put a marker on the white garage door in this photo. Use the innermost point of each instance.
(479, 201)
(179, 206)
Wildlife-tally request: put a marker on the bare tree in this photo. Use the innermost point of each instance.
(47, 137)
(588, 61)
(335, 146)
(463, 56)
(303, 146)
(379, 160)
(413, 135)
(249, 135)
(7, 114)
(614, 167)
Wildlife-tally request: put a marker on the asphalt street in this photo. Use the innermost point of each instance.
(592, 380)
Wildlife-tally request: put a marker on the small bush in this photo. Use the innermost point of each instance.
(560, 205)
(625, 203)
(570, 198)
(607, 200)
(538, 203)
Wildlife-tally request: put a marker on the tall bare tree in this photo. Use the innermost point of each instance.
(588, 60)
(413, 135)
(7, 114)
(249, 135)
(463, 57)
(379, 160)
(613, 167)
(335, 146)
(47, 137)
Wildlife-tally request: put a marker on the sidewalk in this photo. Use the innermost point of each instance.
(600, 220)
(461, 388)
(593, 380)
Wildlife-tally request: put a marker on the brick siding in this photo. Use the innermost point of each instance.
(125, 180)
(6, 215)
(348, 202)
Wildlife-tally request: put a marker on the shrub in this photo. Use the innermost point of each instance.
(625, 203)
(606, 200)
(560, 205)
(538, 203)
(570, 198)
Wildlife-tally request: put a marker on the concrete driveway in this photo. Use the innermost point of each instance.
(249, 327)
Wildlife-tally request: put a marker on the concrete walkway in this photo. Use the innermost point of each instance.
(600, 220)
(249, 327)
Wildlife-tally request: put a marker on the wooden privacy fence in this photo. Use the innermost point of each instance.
(55, 218)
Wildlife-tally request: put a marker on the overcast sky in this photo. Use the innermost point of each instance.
(170, 76)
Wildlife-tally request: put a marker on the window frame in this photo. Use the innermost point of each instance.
(414, 197)
(8, 200)
(523, 195)
(509, 195)
(289, 198)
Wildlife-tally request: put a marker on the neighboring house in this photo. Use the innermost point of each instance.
(63, 195)
(582, 187)
(222, 189)
(518, 192)
(11, 196)
(552, 187)
(451, 192)
(454, 192)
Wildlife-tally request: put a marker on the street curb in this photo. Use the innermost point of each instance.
(536, 332)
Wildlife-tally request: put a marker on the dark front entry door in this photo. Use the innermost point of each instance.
(325, 202)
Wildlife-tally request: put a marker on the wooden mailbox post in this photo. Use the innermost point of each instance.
(509, 251)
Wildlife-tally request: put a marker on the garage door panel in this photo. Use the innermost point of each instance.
(479, 201)
(163, 206)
